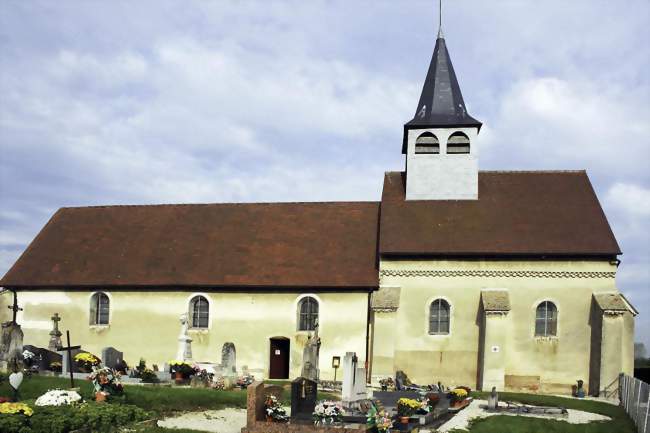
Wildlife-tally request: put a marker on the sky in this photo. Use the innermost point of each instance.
(244, 101)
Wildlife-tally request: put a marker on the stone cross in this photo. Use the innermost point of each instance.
(69, 349)
(15, 308)
(55, 334)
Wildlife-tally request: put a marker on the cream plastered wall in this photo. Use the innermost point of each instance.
(146, 324)
(555, 363)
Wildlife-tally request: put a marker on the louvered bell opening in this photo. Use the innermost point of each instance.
(458, 143)
(427, 143)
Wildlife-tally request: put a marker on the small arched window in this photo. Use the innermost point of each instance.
(307, 314)
(457, 143)
(199, 312)
(439, 317)
(99, 309)
(427, 143)
(546, 319)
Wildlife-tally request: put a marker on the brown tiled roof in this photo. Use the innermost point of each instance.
(517, 213)
(292, 245)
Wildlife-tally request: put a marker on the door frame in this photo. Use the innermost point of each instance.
(287, 366)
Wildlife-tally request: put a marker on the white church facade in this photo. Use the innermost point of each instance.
(468, 277)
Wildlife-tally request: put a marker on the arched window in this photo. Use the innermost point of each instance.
(99, 309)
(546, 319)
(427, 143)
(439, 317)
(199, 312)
(458, 143)
(307, 314)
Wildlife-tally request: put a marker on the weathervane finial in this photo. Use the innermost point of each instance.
(440, 34)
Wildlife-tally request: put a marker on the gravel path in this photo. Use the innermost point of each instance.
(217, 421)
(461, 421)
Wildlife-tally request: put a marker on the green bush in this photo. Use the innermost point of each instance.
(61, 419)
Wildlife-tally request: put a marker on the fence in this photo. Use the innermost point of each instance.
(634, 395)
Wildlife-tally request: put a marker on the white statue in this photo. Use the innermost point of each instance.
(310, 356)
(184, 352)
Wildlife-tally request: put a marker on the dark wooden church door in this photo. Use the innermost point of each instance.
(279, 363)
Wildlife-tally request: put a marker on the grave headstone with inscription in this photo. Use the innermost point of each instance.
(303, 398)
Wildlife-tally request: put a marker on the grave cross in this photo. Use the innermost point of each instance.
(69, 349)
(15, 308)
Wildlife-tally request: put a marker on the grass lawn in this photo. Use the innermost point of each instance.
(620, 422)
(159, 399)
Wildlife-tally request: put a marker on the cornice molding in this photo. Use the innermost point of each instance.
(495, 273)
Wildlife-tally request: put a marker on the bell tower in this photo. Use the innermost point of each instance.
(440, 141)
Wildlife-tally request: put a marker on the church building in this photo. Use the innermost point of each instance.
(468, 277)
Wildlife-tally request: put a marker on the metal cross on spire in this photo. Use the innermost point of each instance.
(440, 35)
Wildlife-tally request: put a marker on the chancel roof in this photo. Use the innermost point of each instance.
(257, 245)
(539, 213)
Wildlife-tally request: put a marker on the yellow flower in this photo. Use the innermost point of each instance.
(413, 404)
(13, 408)
(86, 358)
(460, 393)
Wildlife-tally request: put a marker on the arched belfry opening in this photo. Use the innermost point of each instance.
(458, 143)
(427, 142)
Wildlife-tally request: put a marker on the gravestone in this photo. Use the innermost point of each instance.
(228, 359)
(493, 399)
(11, 344)
(111, 357)
(303, 398)
(55, 334)
(354, 379)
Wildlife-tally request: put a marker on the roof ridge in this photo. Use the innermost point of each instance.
(533, 171)
(222, 203)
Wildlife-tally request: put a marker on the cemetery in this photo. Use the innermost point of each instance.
(63, 388)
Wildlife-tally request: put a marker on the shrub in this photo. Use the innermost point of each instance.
(97, 417)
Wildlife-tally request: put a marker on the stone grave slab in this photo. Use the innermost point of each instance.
(43, 357)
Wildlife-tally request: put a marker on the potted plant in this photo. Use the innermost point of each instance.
(406, 407)
(107, 383)
(181, 371)
(328, 412)
(86, 361)
(457, 396)
(274, 410)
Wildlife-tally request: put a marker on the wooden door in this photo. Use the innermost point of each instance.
(279, 363)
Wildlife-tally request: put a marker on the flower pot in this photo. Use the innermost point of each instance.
(100, 397)
(404, 419)
(178, 378)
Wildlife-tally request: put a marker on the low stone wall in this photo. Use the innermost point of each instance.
(256, 418)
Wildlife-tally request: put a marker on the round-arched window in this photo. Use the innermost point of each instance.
(546, 319)
(458, 143)
(199, 312)
(99, 309)
(427, 143)
(307, 314)
(439, 317)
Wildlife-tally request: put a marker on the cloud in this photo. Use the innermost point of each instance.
(151, 102)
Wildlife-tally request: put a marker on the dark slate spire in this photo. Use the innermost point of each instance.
(441, 103)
